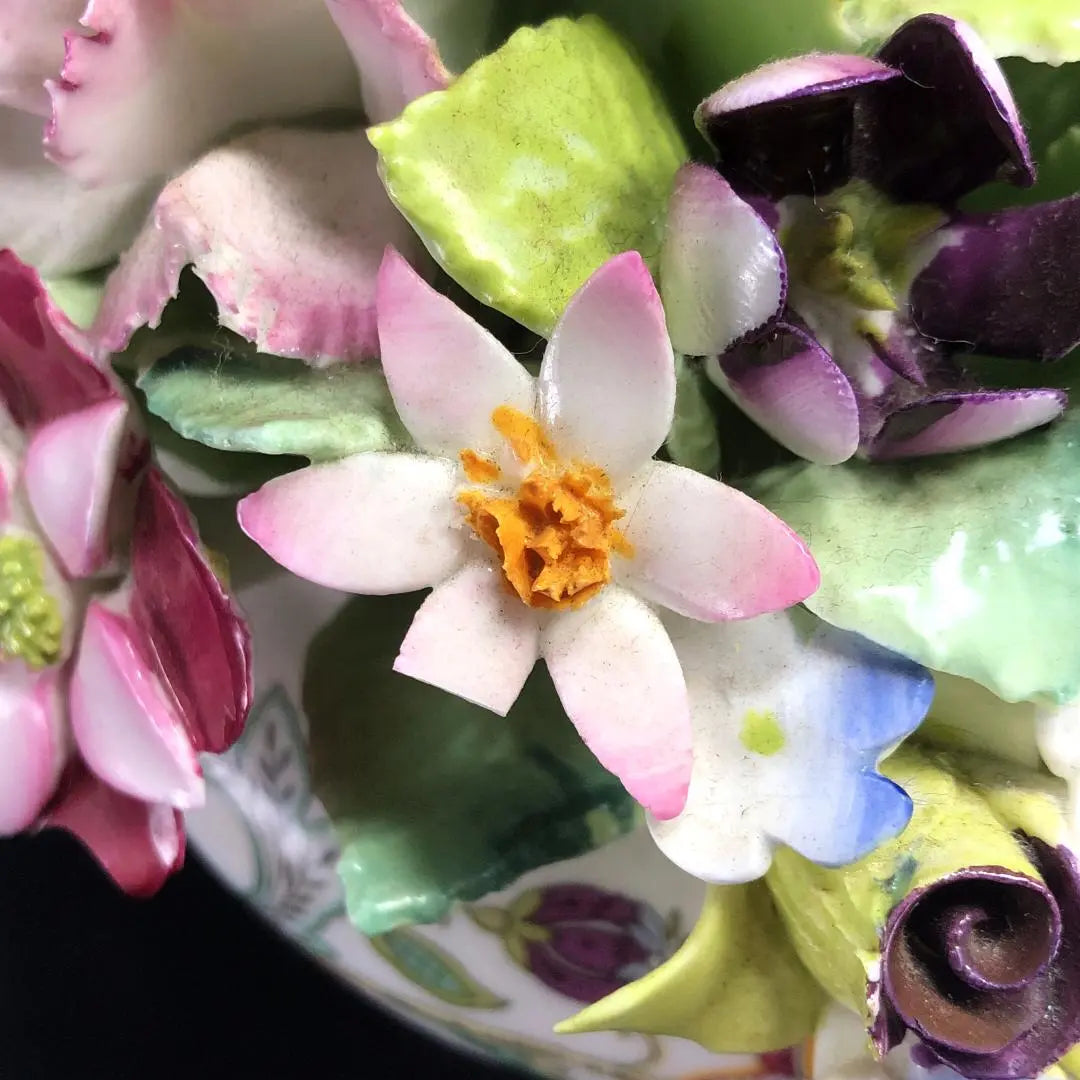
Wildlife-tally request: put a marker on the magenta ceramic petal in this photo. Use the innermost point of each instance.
(1005, 283)
(188, 621)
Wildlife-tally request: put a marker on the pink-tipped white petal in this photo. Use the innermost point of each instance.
(474, 638)
(286, 228)
(152, 85)
(620, 682)
(607, 383)
(705, 550)
(48, 218)
(32, 744)
(139, 844)
(372, 523)
(70, 472)
(722, 273)
(32, 49)
(127, 730)
(446, 373)
(396, 59)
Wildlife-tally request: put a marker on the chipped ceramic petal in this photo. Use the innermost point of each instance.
(472, 637)
(708, 551)
(32, 49)
(372, 523)
(140, 93)
(722, 273)
(790, 719)
(606, 391)
(286, 228)
(127, 728)
(613, 660)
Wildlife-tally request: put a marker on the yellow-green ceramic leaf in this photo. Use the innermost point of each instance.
(964, 562)
(543, 160)
(735, 986)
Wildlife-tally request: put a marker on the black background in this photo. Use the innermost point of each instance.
(188, 984)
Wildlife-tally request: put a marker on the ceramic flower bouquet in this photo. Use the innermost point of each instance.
(733, 417)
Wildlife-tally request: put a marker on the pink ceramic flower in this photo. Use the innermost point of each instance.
(536, 510)
(285, 224)
(121, 656)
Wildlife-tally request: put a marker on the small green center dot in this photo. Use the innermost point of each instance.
(761, 733)
(31, 626)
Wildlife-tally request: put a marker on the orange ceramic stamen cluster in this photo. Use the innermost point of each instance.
(554, 538)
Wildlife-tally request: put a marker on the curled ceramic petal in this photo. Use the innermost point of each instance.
(117, 114)
(138, 844)
(285, 227)
(947, 423)
(948, 126)
(997, 283)
(189, 623)
(790, 386)
(790, 718)
(785, 128)
(722, 273)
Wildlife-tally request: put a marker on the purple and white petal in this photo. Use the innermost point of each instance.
(948, 126)
(619, 680)
(722, 273)
(792, 388)
(446, 373)
(33, 746)
(785, 128)
(286, 228)
(71, 472)
(396, 59)
(32, 49)
(708, 551)
(474, 638)
(1005, 283)
(139, 844)
(946, 423)
(141, 94)
(126, 726)
(606, 391)
(372, 523)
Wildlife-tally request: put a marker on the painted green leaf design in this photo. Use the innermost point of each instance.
(544, 159)
(735, 985)
(423, 962)
(231, 400)
(435, 799)
(964, 562)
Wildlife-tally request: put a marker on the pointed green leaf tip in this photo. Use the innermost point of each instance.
(31, 626)
(735, 986)
(543, 160)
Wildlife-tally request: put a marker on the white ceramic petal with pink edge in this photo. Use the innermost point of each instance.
(607, 382)
(32, 49)
(446, 373)
(125, 724)
(620, 682)
(372, 523)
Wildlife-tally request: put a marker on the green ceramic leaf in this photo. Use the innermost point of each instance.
(273, 405)
(964, 562)
(422, 962)
(435, 799)
(544, 159)
(735, 985)
(694, 440)
(78, 296)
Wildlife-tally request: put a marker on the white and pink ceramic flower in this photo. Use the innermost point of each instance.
(121, 655)
(536, 511)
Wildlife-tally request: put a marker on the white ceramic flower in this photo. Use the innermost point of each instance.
(535, 509)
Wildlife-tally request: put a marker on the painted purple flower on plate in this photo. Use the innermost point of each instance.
(825, 273)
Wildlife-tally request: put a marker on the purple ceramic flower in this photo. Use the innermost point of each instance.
(580, 941)
(984, 966)
(121, 656)
(830, 241)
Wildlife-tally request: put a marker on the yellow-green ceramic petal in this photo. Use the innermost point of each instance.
(834, 917)
(543, 160)
(962, 562)
(735, 986)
